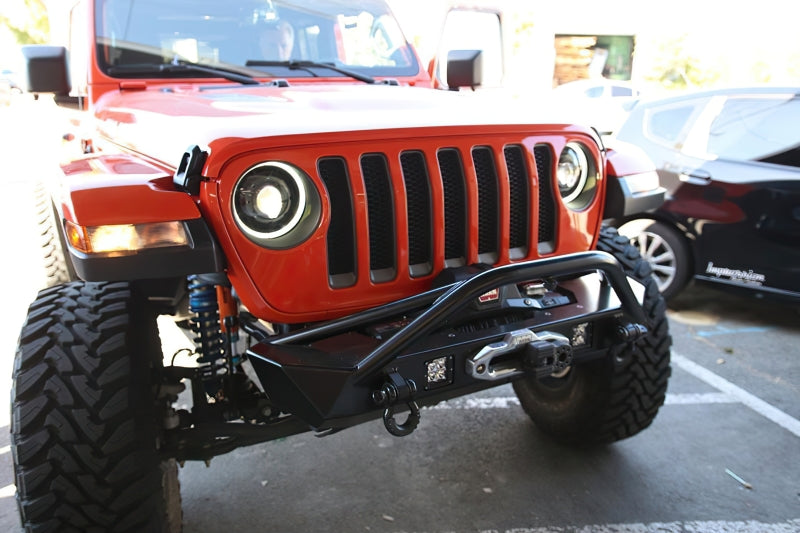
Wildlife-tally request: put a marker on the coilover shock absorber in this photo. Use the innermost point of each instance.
(205, 321)
(215, 324)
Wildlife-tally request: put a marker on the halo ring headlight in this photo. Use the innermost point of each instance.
(275, 204)
(577, 176)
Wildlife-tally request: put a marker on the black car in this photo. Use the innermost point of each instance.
(730, 161)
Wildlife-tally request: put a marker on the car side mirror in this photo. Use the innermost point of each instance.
(464, 68)
(46, 69)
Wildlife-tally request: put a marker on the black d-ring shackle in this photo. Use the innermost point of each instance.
(397, 390)
(407, 427)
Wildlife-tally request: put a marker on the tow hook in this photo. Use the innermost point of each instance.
(397, 390)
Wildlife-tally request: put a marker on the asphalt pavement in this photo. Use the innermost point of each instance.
(723, 455)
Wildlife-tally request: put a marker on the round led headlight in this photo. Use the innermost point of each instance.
(577, 176)
(275, 204)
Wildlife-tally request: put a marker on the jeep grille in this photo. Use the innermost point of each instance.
(466, 179)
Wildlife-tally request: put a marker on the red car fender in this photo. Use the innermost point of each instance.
(111, 189)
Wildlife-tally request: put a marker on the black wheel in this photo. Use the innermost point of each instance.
(55, 262)
(85, 420)
(614, 397)
(666, 251)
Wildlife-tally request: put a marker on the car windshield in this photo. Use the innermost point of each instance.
(262, 38)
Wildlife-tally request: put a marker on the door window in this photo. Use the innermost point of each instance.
(757, 128)
(669, 125)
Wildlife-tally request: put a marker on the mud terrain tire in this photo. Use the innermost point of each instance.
(84, 424)
(619, 395)
(56, 264)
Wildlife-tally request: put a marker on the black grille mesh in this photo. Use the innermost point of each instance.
(488, 201)
(547, 201)
(455, 204)
(380, 211)
(519, 200)
(418, 201)
(341, 232)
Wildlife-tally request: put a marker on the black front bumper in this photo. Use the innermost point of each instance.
(327, 376)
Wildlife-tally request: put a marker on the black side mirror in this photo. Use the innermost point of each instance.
(464, 68)
(47, 70)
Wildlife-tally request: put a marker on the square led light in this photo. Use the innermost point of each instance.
(439, 372)
(581, 334)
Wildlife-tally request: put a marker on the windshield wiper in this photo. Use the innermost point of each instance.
(308, 65)
(184, 66)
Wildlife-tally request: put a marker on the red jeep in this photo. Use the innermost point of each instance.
(343, 242)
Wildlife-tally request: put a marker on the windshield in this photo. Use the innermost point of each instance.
(256, 37)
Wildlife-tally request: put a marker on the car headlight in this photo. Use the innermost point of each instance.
(125, 239)
(276, 205)
(577, 176)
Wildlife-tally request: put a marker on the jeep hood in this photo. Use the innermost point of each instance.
(162, 122)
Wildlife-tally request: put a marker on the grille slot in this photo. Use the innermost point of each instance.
(342, 231)
(380, 215)
(455, 206)
(420, 215)
(547, 201)
(488, 204)
(519, 202)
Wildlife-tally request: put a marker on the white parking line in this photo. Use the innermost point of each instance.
(710, 526)
(496, 402)
(505, 402)
(699, 398)
(756, 404)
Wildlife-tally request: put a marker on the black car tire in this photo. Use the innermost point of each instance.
(614, 397)
(85, 421)
(55, 262)
(666, 251)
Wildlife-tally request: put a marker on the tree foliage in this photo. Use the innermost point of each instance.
(676, 65)
(30, 25)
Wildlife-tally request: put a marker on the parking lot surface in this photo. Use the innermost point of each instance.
(723, 454)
